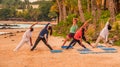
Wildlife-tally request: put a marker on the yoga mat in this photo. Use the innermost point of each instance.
(64, 47)
(109, 49)
(84, 51)
(101, 46)
(56, 51)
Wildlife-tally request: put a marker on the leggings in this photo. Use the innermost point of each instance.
(73, 42)
(83, 37)
(45, 42)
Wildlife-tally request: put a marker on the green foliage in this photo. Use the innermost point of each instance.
(90, 33)
(52, 15)
(44, 7)
(117, 43)
(87, 15)
(84, 5)
(11, 3)
(105, 14)
(118, 17)
(0, 1)
(6, 13)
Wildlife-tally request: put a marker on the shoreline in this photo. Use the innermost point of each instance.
(28, 22)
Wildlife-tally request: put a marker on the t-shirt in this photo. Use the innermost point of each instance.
(104, 33)
(27, 35)
(78, 34)
(73, 28)
(44, 31)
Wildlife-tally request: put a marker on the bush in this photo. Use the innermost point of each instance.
(118, 17)
(5, 13)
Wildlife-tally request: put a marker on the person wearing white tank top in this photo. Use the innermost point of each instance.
(26, 38)
(104, 35)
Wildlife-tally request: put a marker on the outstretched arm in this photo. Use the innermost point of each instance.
(31, 41)
(33, 25)
(85, 23)
(47, 25)
(107, 22)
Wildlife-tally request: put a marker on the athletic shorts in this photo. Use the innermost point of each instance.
(71, 35)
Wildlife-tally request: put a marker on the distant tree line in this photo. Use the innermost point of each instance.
(11, 9)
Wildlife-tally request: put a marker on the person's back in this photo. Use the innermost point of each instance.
(78, 34)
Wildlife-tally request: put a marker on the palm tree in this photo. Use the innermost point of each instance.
(81, 11)
(93, 5)
(71, 6)
(60, 10)
(88, 5)
(99, 4)
(112, 10)
(64, 10)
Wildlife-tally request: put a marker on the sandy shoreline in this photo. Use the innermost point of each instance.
(29, 22)
(42, 57)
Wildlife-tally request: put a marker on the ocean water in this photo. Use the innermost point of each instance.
(15, 26)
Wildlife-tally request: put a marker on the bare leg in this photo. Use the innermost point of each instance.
(97, 41)
(67, 38)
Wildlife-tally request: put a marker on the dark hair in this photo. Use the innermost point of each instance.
(31, 29)
(50, 28)
(109, 27)
(76, 20)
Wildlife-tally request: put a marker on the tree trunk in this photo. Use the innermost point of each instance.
(117, 6)
(81, 11)
(93, 5)
(99, 3)
(64, 10)
(60, 10)
(112, 10)
(88, 5)
(103, 4)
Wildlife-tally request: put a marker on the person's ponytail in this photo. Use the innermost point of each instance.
(50, 28)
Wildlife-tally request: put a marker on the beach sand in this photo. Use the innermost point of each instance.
(42, 57)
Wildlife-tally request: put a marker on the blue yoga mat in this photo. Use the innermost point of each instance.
(56, 51)
(100, 46)
(109, 49)
(66, 47)
(84, 52)
(86, 49)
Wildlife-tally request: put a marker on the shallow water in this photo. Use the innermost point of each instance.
(19, 26)
(16, 26)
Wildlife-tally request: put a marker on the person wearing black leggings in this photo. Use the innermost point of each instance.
(42, 37)
(84, 38)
